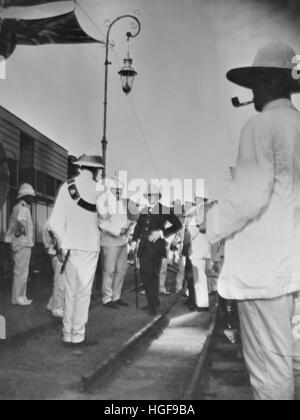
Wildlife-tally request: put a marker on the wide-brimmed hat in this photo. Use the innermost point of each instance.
(272, 60)
(90, 161)
(24, 190)
(152, 189)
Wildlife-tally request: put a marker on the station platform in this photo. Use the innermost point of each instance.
(34, 363)
(23, 321)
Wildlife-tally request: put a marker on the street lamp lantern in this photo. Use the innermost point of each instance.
(127, 75)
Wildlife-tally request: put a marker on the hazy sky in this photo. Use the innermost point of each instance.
(181, 94)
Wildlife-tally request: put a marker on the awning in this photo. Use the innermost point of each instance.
(62, 29)
(22, 3)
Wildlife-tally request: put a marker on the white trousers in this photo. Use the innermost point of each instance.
(181, 273)
(200, 283)
(268, 346)
(163, 275)
(57, 302)
(21, 260)
(114, 263)
(79, 276)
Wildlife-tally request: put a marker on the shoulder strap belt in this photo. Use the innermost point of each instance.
(73, 191)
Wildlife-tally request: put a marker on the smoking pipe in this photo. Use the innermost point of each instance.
(237, 104)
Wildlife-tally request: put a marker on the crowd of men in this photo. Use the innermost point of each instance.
(258, 218)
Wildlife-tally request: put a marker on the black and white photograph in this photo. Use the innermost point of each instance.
(150, 203)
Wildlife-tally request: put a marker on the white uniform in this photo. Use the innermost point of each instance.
(57, 302)
(75, 224)
(260, 217)
(182, 259)
(21, 250)
(113, 245)
(200, 252)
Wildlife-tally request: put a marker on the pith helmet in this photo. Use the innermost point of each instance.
(26, 189)
(90, 161)
(274, 59)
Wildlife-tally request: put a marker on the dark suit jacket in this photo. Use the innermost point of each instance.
(150, 222)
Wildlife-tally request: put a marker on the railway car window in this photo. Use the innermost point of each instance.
(26, 175)
(50, 186)
(13, 166)
(40, 182)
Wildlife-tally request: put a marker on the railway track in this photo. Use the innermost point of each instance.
(222, 374)
(157, 364)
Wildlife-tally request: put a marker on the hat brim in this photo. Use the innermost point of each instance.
(151, 194)
(89, 164)
(248, 77)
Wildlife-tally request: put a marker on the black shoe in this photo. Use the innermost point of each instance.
(153, 312)
(202, 310)
(111, 305)
(85, 343)
(121, 302)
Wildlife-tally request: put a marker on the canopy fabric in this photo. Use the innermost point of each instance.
(62, 29)
(22, 3)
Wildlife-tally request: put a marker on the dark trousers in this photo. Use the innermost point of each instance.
(190, 282)
(150, 266)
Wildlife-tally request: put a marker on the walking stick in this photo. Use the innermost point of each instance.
(136, 279)
(63, 268)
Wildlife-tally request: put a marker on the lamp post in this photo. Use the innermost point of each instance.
(127, 74)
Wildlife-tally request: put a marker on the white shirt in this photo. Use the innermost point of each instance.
(112, 219)
(76, 228)
(260, 216)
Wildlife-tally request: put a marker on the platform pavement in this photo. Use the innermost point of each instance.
(23, 321)
(41, 367)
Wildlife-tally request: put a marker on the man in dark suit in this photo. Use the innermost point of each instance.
(152, 231)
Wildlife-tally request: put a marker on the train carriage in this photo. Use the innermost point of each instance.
(32, 158)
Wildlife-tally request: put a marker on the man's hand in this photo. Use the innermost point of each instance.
(133, 246)
(155, 236)
(124, 231)
(202, 226)
(20, 231)
(60, 256)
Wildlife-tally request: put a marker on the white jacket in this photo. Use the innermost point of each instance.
(21, 214)
(260, 216)
(200, 248)
(76, 228)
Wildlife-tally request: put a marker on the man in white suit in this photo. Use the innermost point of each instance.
(74, 222)
(199, 252)
(260, 218)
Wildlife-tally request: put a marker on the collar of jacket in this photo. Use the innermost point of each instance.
(279, 103)
(149, 210)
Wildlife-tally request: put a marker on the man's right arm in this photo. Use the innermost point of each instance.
(138, 230)
(250, 192)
